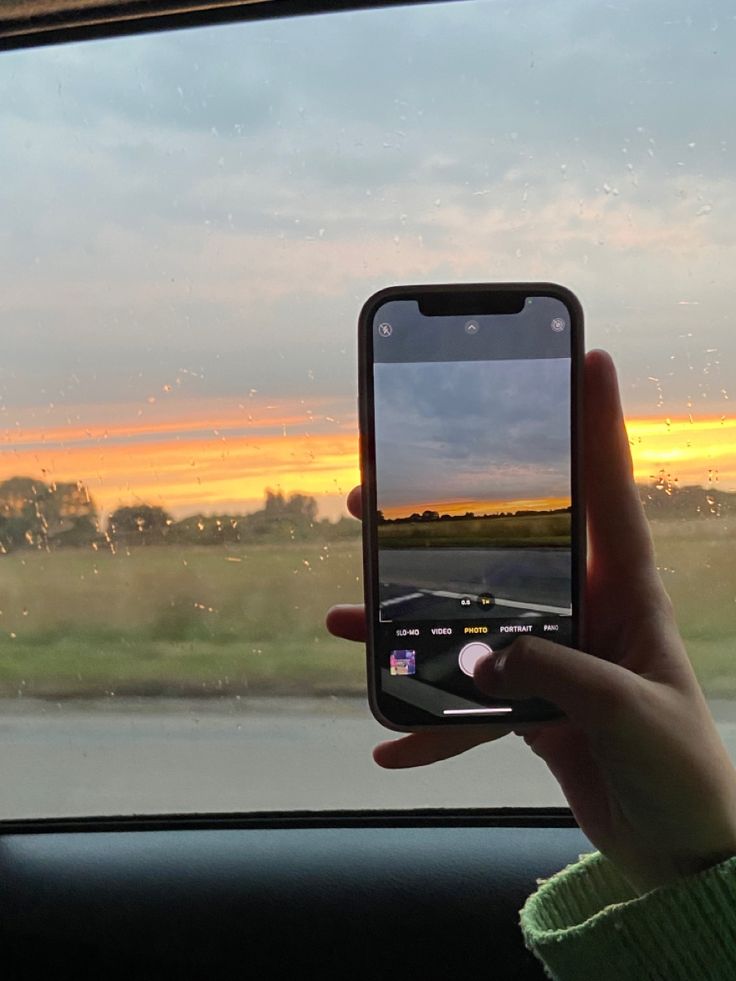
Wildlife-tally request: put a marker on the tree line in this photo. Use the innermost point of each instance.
(662, 498)
(36, 514)
(429, 515)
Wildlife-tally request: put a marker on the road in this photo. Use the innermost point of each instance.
(416, 583)
(156, 756)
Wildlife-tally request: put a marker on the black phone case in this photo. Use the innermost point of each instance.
(531, 712)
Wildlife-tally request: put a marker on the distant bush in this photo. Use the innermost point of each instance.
(34, 514)
(664, 498)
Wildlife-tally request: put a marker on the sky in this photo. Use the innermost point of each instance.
(471, 438)
(191, 222)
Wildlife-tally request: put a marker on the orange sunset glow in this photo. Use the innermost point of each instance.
(478, 507)
(689, 450)
(196, 457)
(209, 457)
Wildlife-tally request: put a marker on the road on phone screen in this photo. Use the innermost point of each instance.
(419, 582)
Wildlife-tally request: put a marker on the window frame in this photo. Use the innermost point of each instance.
(53, 22)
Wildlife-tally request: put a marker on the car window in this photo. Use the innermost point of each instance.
(190, 224)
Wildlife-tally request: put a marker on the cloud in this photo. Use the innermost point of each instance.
(186, 458)
(472, 430)
(224, 199)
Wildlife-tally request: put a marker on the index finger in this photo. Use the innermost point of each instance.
(355, 502)
(620, 542)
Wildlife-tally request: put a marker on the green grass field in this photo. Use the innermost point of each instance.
(697, 562)
(178, 620)
(522, 531)
(208, 620)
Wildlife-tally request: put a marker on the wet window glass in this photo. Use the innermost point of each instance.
(190, 224)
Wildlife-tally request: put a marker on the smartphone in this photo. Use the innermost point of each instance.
(473, 516)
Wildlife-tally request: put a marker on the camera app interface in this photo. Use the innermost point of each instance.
(473, 474)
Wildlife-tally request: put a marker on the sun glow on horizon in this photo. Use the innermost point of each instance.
(478, 508)
(203, 461)
(208, 456)
(687, 450)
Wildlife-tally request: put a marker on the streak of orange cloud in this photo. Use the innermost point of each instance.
(187, 475)
(190, 417)
(185, 466)
(478, 507)
(189, 455)
(688, 450)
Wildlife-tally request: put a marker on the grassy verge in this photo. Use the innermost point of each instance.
(192, 620)
(79, 666)
(524, 531)
(696, 562)
(178, 620)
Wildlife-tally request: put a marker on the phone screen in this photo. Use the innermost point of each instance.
(476, 538)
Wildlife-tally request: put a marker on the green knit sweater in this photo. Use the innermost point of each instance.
(587, 923)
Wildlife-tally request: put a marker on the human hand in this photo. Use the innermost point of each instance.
(638, 756)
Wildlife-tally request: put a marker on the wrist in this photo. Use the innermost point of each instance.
(674, 868)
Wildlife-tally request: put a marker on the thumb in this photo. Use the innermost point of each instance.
(587, 689)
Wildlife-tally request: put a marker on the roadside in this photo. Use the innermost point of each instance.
(161, 756)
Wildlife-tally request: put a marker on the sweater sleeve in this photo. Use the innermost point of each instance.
(586, 922)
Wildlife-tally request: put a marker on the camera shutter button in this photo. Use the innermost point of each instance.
(470, 654)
